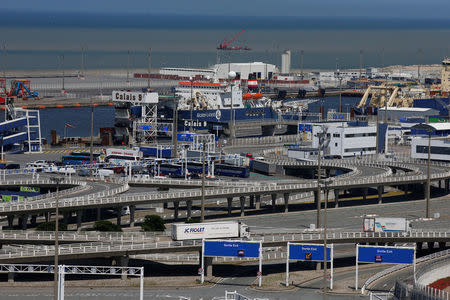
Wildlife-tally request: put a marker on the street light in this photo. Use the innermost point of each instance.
(192, 104)
(91, 154)
(202, 215)
(320, 137)
(231, 76)
(429, 129)
(57, 180)
(325, 183)
(175, 125)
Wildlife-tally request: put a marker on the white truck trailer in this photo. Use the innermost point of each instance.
(211, 230)
(379, 224)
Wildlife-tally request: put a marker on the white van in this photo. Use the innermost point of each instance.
(102, 173)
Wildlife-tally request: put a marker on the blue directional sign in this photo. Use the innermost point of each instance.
(230, 248)
(185, 137)
(308, 252)
(385, 255)
(304, 127)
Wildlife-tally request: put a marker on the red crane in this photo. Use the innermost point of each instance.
(225, 44)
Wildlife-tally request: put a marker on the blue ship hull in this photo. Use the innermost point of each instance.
(207, 119)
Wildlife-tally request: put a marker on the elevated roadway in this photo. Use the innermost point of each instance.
(118, 249)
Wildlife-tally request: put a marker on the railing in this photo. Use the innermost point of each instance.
(402, 266)
(142, 245)
(68, 202)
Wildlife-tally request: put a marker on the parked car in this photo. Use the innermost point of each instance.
(83, 172)
(66, 170)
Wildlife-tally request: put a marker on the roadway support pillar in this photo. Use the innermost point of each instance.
(336, 198)
(24, 222)
(176, 206)
(286, 202)
(318, 266)
(258, 201)
(419, 246)
(66, 217)
(124, 263)
(316, 198)
(132, 211)
(119, 215)
(208, 266)
(188, 209)
(99, 214)
(252, 201)
(79, 216)
(11, 276)
(33, 220)
(442, 245)
(440, 184)
(10, 221)
(47, 216)
(230, 205)
(447, 185)
(274, 201)
(365, 190)
(430, 245)
(380, 194)
(242, 200)
(405, 189)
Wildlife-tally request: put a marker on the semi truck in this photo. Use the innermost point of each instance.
(379, 224)
(211, 230)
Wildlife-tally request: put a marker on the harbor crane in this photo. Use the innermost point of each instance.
(226, 44)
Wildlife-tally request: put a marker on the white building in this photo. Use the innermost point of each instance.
(445, 75)
(439, 150)
(259, 70)
(187, 72)
(286, 62)
(342, 140)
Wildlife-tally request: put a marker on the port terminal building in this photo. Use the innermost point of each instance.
(252, 70)
(437, 135)
(341, 139)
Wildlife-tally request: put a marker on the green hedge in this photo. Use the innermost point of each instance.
(51, 226)
(153, 223)
(106, 226)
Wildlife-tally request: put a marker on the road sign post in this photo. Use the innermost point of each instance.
(384, 255)
(309, 252)
(231, 248)
(202, 268)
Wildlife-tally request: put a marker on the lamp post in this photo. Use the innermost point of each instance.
(57, 180)
(429, 129)
(427, 210)
(192, 103)
(202, 214)
(319, 136)
(231, 76)
(91, 154)
(175, 126)
(326, 182)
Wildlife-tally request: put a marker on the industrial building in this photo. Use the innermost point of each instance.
(256, 70)
(439, 149)
(397, 113)
(187, 72)
(342, 139)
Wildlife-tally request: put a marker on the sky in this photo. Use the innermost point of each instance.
(410, 9)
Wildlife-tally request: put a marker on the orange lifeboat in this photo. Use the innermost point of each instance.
(247, 96)
(257, 96)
